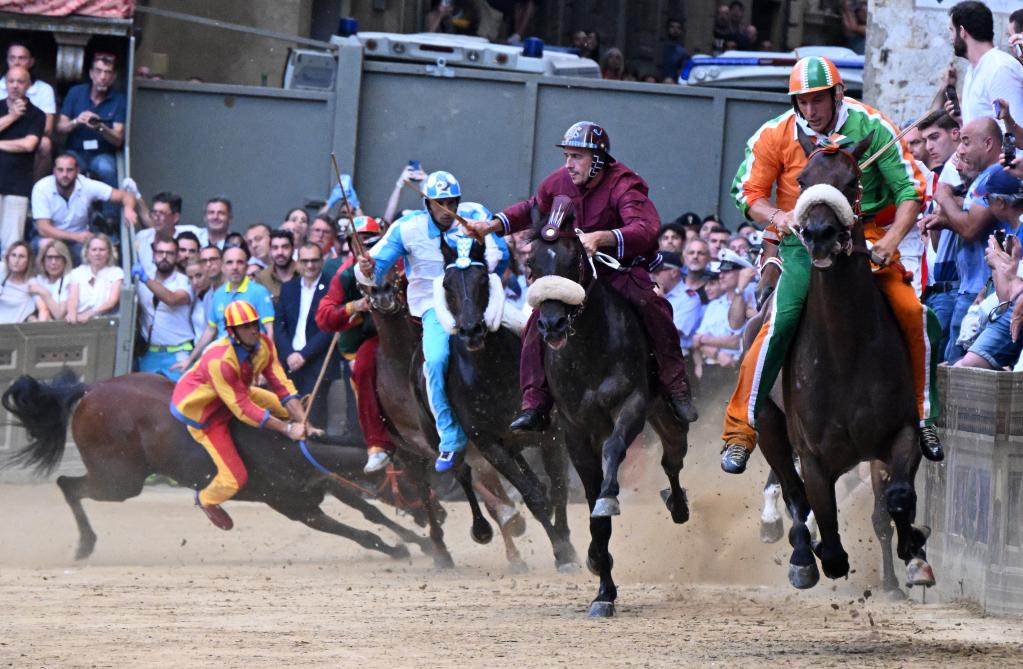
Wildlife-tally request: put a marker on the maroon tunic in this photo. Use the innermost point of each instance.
(619, 203)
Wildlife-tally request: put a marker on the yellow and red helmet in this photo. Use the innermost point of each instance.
(813, 73)
(238, 313)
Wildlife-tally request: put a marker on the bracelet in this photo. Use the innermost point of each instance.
(290, 423)
(770, 220)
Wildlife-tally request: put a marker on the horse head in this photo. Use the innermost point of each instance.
(464, 298)
(828, 207)
(389, 297)
(560, 270)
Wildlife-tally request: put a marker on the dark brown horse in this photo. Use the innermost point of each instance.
(601, 373)
(844, 384)
(400, 339)
(125, 432)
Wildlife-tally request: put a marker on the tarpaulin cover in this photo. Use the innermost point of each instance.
(107, 9)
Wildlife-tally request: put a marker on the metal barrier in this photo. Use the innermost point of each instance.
(973, 501)
(267, 148)
(42, 350)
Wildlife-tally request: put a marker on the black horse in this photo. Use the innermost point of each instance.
(845, 387)
(602, 376)
(124, 433)
(484, 357)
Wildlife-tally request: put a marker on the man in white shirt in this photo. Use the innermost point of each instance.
(218, 214)
(39, 94)
(165, 311)
(992, 74)
(62, 205)
(165, 222)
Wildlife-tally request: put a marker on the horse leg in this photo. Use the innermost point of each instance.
(771, 525)
(555, 462)
(72, 487)
(598, 559)
(674, 446)
(123, 481)
(630, 421)
(526, 482)
(820, 488)
(376, 516)
(481, 530)
(434, 512)
(488, 486)
(314, 518)
(900, 498)
(883, 529)
(774, 444)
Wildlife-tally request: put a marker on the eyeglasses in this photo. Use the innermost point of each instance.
(57, 257)
(310, 261)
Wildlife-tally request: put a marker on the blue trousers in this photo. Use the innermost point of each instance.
(159, 362)
(943, 304)
(962, 305)
(436, 353)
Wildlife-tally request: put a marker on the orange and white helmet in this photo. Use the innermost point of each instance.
(813, 73)
(238, 313)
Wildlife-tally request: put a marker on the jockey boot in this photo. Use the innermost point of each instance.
(930, 444)
(446, 461)
(377, 460)
(733, 458)
(682, 405)
(216, 514)
(530, 420)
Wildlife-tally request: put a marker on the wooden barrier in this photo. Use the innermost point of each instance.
(973, 501)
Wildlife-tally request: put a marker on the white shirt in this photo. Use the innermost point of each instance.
(996, 75)
(60, 288)
(305, 303)
(93, 290)
(72, 214)
(173, 325)
(16, 303)
(715, 321)
(198, 316)
(144, 243)
(39, 94)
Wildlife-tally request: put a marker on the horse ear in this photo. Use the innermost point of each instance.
(476, 252)
(862, 146)
(805, 141)
(446, 251)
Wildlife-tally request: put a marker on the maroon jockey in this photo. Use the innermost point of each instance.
(614, 214)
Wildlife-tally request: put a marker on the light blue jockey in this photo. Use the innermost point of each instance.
(416, 237)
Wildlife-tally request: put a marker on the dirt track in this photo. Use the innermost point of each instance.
(165, 588)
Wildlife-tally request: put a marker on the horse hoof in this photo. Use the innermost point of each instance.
(895, 594)
(924, 530)
(569, 568)
(518, 566)
(443, 561)
(481, 532)
(679, 511)
(400, 552)
(602, 609)
(606, 507)
(771, 533)
(918, 572)
(803, 577)
(512, 522)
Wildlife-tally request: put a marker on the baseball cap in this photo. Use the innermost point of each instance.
(999, 183)
(671, 259)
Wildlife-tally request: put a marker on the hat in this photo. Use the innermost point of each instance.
(670, 259)
(999, 182)
(729, 260)
(713, 270)
(688, 218)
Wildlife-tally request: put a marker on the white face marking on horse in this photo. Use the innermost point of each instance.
(551, 254)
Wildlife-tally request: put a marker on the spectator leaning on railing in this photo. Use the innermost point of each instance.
(21, 126)
(52, 284)
(62, 204)
(165, 311)
(96, 283)
(18, 303)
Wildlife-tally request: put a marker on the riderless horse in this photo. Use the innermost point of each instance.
(844, 384)
(602, 376)
(124, 432)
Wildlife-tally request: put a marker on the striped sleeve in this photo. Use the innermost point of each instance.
(235, 393)
(760, 168)
(274, 373)
(897, 164)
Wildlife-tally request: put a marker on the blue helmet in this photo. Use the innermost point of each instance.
(442, 185)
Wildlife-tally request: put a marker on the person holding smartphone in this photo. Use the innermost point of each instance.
(93, 118)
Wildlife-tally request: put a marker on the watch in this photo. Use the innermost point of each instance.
(737, 290)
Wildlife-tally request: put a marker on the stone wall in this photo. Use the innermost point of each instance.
(908, 49)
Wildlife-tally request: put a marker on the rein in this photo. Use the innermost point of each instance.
(390, 481)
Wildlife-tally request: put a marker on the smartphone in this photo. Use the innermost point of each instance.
(1000, 238)
(953, 97)
(1018, 50)
(1008, 148)
(998, 108)
(1007, 246)
(415, 165)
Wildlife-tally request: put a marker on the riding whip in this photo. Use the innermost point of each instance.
(455, 214)
(870, 161)
(353, 239)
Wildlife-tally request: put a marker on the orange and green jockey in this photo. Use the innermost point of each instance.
(892, 189)
(219, 386)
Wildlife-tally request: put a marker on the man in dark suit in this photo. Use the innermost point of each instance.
(301, 345)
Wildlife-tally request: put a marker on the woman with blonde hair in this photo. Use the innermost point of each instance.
(96, 283)
(52, 284)
(17, 303)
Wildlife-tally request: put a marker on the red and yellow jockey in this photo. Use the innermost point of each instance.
(219, 386)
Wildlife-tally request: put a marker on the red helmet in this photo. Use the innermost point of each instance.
(588, 135)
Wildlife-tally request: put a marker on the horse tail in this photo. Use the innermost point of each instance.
(44, 410)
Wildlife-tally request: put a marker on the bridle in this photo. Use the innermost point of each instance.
(397, 304)
(463, 245)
